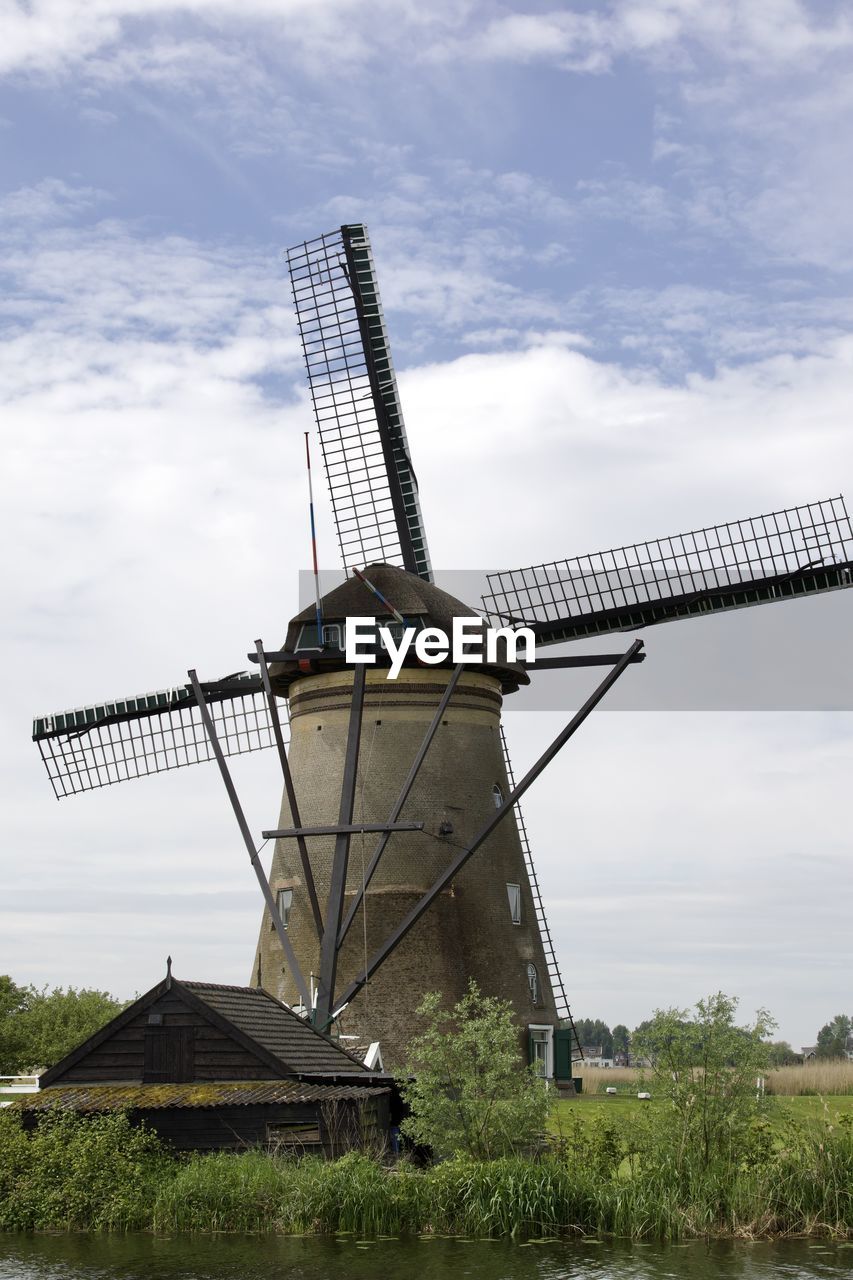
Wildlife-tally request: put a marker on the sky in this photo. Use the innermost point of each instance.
(615, 248)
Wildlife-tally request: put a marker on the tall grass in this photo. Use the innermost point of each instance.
(834, 1076)
(597, 1079)
(600, 1178)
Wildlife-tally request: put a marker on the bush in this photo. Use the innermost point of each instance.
(472, 1093)
(93, 1173)
(706, 1067)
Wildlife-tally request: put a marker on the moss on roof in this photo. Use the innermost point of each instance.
(155, 1097)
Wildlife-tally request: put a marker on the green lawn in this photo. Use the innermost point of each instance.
(622, 1106)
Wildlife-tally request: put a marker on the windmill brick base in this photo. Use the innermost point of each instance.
(470, 930)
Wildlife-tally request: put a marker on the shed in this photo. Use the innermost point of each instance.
(213, 1067)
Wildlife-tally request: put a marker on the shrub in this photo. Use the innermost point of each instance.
(472, 1093)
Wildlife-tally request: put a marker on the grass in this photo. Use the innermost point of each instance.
(624, 1108)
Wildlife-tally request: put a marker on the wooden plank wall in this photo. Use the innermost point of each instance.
(121, 1057)
(223, 1128)
(236, 1128)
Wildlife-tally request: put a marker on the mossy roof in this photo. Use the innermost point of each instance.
(156, 1097)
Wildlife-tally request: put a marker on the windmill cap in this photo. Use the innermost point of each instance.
(412, 596)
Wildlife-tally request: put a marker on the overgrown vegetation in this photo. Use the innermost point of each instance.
(87, 1173)
(37, 1028)
(100, 1174)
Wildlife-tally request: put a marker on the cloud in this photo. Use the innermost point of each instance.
(50, 38)
(50, 200)
(766, 35)
(660, 885)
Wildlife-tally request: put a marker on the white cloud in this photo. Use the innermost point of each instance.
(50, 200)
(765, 35)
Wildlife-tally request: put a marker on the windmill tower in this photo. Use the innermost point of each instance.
(483, 925)
(400, 843)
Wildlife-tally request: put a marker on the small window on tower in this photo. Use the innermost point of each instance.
(497, 796)
(513, 892)
(284, 901)
(533, 983)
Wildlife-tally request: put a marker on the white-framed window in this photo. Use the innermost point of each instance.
(533, 983)
(284, 901)
(542, 1050)
(331, 636)
(513, 893)
(497, 796)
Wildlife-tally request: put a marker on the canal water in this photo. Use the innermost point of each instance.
(70, 1257)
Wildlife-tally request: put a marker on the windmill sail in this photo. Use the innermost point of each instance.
(109, 742)
(799, 551)
(372, 482)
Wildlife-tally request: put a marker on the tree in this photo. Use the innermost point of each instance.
(592, 1032)
(780, 1054)
(832, 1037)
(37, 1028)
(13, 1001)
(621, 1038)
(472, 1093)
(706, 1067)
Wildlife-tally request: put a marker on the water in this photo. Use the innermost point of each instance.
(71, 1257)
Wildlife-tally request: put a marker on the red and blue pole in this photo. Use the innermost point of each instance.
(398, 617)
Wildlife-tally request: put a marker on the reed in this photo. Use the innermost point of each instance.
(821, 1077)
(597, 1079)
(828, 1077)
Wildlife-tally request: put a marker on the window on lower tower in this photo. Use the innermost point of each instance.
(497, 796)
(284, 901)
(533, 983)
(513, 892)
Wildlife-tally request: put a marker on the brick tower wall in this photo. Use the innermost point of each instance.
(468, 932)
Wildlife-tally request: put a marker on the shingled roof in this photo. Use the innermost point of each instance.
(297, 1045)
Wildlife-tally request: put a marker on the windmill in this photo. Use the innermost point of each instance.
(397, 868)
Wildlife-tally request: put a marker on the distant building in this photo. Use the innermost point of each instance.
(593, 1056)
(809, 1052)
(212, 1067)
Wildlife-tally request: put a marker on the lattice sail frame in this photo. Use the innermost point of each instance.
(98, 745)
(797, 551)
(353, 387)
